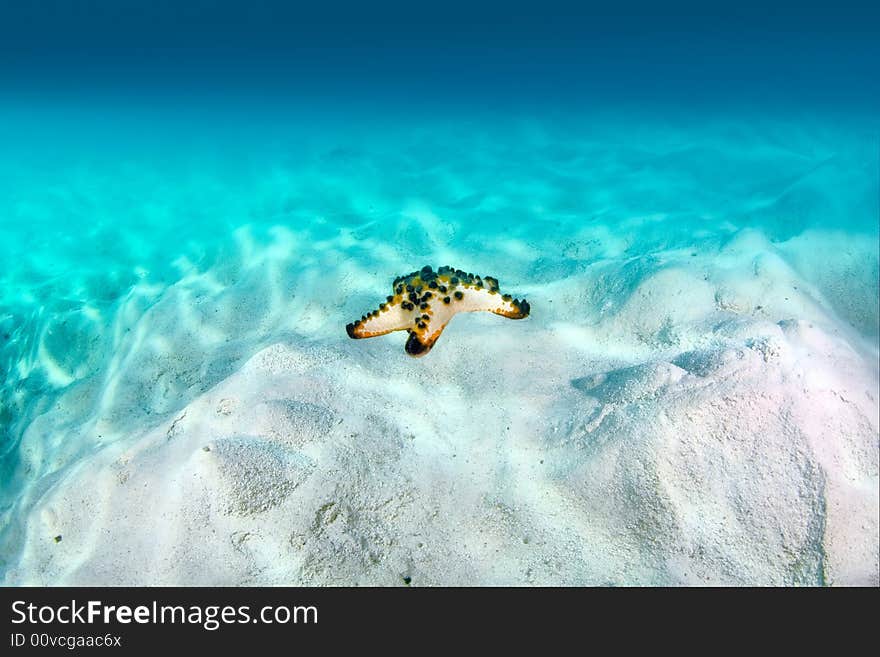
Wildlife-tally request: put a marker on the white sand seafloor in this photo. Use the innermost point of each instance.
(694, 400)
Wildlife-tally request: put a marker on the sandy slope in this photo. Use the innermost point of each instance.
(689, 418)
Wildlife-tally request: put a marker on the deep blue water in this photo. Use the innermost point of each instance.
(459, 54)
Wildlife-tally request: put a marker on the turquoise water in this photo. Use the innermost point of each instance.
(147, 254)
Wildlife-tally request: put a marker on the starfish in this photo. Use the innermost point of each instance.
(424, 302)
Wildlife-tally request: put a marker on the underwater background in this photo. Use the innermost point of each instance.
(196, 199)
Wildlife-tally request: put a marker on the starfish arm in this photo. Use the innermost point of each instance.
(464, 299)
(387, 318)
(417, 346)
(476, 299)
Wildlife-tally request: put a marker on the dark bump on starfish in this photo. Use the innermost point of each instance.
(423, 306)
(454, 280)
(459, 295)
(506, 297)
(442, 289)
(383, 306)
(433, 285)
(349, 328)
(410, 288)
(446, 299)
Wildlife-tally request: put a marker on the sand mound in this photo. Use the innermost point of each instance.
(751, 462)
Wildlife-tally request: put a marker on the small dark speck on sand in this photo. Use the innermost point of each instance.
(206, 449)
(6, 336)
(407, 579)
(58, 538)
